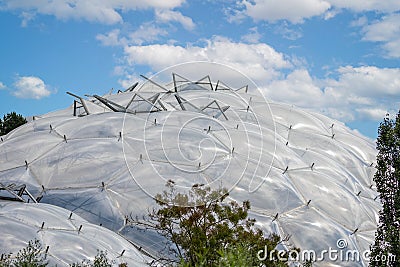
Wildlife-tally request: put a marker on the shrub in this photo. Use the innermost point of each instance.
(204, 229)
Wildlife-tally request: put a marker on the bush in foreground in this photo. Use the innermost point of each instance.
(204, 229)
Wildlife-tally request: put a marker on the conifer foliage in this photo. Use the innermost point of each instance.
(386, 249)
(10, 122)
(204, 229)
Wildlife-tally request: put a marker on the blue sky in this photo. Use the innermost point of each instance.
(336, 57)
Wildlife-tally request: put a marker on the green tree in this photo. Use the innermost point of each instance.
(204, 229)
(100, 260)
(10, 122)
(386, 249)
(33, 255)
(30, 256)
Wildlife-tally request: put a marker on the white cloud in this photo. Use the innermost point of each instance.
(298, 88)
(360, 22)
(386, 31)
(2, 86)
(233, 15)
(252, 37)
(292, 10)
(331, 13)
(376, 114)
(128, 80)
(370, 81)
(147, 32)
(26, 18)
(170, 15)
(357, 93)
(112, 38)
(367, 5)
(259, 61)
(103, 11)
(288, 32)
(89, 10)
(296, 11)
(30, 87)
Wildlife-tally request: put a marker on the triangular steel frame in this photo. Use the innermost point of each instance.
(223, 109)
(21, 190)
(155, 83)
(81, 101)
(209, 81)
(152, 101)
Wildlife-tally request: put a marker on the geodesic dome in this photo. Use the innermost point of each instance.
(308, 177)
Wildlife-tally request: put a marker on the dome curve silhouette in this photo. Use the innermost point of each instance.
(307, 176)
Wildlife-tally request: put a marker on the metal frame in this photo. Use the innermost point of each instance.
(16, 192)
(155, 83)
(209, 81)
(82, 102)
(223, 109)
(155, 100)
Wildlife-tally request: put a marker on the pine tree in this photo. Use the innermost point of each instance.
(386, 249)
(10, 122)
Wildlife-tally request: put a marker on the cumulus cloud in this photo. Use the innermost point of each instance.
(103, 11)
(385, 31)
(376, 114)
(2, 86)
(370, 81)
(258, 61)
(165, 15)
(128, 80)
(145, 33)
(252, 37)
(112, 38)
(297, 88)
(297, 11)
(234, 15)
(30, 87)
(292, 10)
(366, 92)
